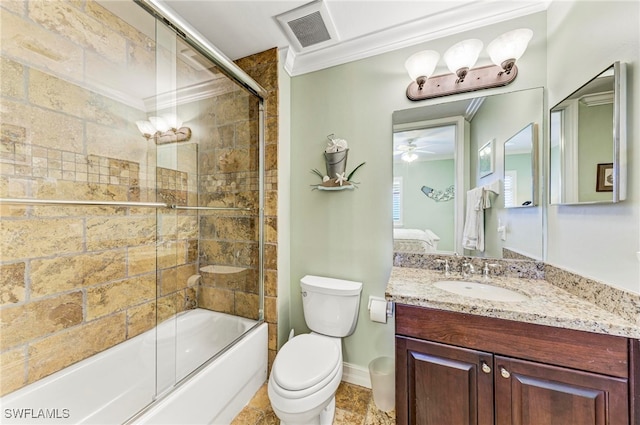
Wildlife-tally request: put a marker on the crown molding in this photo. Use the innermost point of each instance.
(469, 17)
(204, 90)
(597, 99)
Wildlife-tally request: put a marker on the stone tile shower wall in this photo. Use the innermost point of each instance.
(229, 177)
(263, 67)
(78, 280)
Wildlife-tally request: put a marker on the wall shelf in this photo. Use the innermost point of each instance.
(330, 188)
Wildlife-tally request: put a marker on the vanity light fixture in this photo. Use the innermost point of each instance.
(460, 58)
(421, 65)
(165, 129)
(505, 50)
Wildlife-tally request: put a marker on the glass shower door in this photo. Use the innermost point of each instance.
(80, 247)
(206, 131)
(211, 175)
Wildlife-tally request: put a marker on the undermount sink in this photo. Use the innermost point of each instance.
(481, 291)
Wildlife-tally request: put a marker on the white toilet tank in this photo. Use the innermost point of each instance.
(330, 305)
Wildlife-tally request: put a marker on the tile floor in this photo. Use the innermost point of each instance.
(354, 406)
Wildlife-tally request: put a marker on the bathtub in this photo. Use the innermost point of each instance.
(113, 386)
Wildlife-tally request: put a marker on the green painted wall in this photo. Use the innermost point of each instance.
(521, 164)
(499, 119)
(420, 211)
(594, 140)
(586, 37)
(348, 234)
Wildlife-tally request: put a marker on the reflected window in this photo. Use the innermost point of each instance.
(397, 201)
(510, 188)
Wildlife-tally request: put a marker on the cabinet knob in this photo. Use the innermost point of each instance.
(504, 373)
(486, 368)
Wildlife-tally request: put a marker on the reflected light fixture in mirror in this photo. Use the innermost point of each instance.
(504, 51)
(165, 129)
(409, 156)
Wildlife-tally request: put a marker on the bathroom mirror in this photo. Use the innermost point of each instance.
(521, 168)
(587, 162)
(435, 149)
(424, 183)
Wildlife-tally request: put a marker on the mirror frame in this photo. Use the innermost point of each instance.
(534, 164)
(619, 137)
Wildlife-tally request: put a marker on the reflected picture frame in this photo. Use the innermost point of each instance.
(604, 177)
(486, 158)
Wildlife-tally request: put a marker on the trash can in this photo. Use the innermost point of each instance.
(383, 382)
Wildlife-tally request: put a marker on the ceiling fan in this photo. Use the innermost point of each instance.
(409, 151)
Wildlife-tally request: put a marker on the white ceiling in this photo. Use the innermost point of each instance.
(432, 143)
(365, 27)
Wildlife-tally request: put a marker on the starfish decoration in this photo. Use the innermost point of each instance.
(340, 178)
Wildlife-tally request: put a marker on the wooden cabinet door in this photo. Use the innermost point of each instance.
(443, 384)
(529, 393)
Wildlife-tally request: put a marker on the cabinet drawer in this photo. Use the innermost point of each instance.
(598, 353)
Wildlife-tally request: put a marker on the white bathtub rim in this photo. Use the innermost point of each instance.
(14, 399)
(233, 407)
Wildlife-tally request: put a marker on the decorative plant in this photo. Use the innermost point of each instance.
(335, 155)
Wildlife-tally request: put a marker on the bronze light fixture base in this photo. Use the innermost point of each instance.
(485, 77)
(173, 135)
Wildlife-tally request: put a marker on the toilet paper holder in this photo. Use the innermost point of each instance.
(389, 304)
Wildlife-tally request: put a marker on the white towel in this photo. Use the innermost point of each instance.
(473, 233)
(478, 200)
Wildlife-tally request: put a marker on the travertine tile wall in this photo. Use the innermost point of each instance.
(230, 289)
(229, 177)
(263, 67)
(78, 280)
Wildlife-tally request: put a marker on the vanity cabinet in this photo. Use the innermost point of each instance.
(454, 368)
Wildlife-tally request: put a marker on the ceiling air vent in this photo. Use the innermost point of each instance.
(309, 29)
(309, 26)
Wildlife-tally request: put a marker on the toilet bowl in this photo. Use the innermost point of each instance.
(304, 379)
(308, 368)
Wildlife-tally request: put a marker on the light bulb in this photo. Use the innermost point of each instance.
(462, 56)
(507, 48)
(160, 124)
(172, 120)
(146, 128)
(409, 156)
(421, 65)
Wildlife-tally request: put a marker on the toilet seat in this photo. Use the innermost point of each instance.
(304, 364)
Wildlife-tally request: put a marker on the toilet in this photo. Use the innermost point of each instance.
(308, 368)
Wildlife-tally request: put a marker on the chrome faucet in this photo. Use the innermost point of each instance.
(485, 270)
(467, 269)
(446, 266)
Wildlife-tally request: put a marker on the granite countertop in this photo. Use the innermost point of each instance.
(547, 304)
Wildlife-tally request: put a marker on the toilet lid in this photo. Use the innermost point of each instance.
(304, 361)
